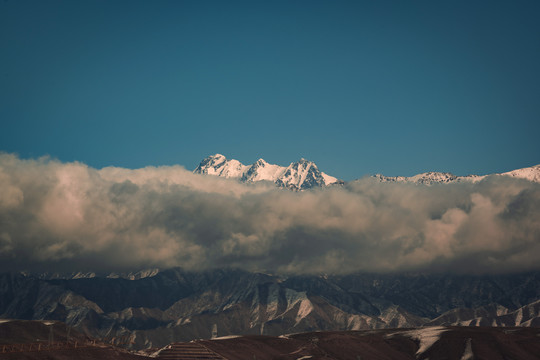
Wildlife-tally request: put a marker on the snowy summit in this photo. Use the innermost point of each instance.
(300, 175)
(530, 173)
(304, 174)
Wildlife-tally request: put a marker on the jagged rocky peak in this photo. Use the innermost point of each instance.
(212, 160)
(300, 175)
(260, 162)
(210, 163)
(219, 165)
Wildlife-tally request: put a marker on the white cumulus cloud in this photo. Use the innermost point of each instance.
(58, 216)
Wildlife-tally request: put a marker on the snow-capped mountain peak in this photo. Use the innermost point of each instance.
(302, 172)
(305, 174)
(219, 165)
(427, 178)
(300, 175)
(531, 173)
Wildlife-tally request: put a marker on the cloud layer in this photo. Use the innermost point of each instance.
(69, 217)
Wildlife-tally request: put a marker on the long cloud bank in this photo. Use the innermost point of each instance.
(58, 216)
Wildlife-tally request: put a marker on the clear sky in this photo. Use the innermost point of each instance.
(359, 87)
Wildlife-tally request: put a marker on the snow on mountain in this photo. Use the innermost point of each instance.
(491, 315)
(299, 175)
(176, 305)
(134, 275)
(57, 275)
(531, 173)
(262, 171)
(428, 178)
(90, 275)
(304, 174)
(219, 165)
(427, 337)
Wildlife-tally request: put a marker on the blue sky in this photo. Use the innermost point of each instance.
(359, 87)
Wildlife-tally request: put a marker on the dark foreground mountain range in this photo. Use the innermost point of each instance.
(53, 340)
(176, 305)
(432, 342)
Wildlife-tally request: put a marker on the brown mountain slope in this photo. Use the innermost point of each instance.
(389, 344)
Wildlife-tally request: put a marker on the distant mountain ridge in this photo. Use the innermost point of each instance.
(136, 275)
(429, 178)
(305, 174)
(530, 173)
(300, 175)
